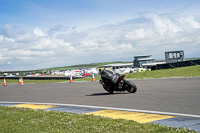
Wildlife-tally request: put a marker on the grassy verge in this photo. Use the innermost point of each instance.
(19, 120)
(191, 71)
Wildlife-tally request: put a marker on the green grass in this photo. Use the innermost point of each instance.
(20, 120)
(191, 71)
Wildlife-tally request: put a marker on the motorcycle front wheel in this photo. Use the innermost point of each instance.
(110, 91)
(129, 86)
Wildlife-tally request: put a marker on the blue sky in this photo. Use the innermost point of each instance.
(38, 34)
(83, 13)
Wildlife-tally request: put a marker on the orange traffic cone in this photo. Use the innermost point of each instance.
(21, 81)
(71, 78)
(4, 83)
(93, 79)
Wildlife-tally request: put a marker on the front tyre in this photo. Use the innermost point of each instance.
(110, 91)
(129, 86)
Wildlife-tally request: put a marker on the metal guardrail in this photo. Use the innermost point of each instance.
(40, 78)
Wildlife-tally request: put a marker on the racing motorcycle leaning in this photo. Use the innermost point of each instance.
(114, 82)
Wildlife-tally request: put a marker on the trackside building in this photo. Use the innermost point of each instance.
(142, 59)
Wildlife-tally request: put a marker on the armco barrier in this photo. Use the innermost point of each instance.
(40, 78)
(178, 64)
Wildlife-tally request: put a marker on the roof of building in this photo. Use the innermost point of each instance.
(177, 51)
(116, 65)
(153, 64)
(142, 56)
(146, 59)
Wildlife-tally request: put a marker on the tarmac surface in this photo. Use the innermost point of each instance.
(176, 98)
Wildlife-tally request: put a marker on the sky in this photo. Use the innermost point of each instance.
(37, 34)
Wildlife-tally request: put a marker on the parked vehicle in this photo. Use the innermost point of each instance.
(86, 74)
(122, 70)
(114, 82)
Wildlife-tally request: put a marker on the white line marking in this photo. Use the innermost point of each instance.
(112, 108)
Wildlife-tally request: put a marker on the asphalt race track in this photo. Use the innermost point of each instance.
(177, 95)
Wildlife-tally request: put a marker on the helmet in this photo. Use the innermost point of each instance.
(101, 70)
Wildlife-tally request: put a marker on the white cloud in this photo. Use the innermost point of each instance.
(23, 58)
(26, 38)
(10, 31)
(164, 26)
(38, 32)
(58, 29)
(188, 22)
(3, 58)
(139, 34)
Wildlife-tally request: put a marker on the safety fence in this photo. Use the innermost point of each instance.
(178, 64)
(21, 82)
(41, 78)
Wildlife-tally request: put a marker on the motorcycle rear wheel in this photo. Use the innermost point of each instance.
(130, 86)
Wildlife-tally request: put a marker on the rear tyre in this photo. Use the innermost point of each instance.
(130, 86)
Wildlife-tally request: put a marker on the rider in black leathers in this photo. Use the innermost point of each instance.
(109, 76)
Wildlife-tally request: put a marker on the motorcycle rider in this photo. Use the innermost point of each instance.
(108, 75)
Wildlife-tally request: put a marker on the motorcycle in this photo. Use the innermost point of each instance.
(121, 85)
